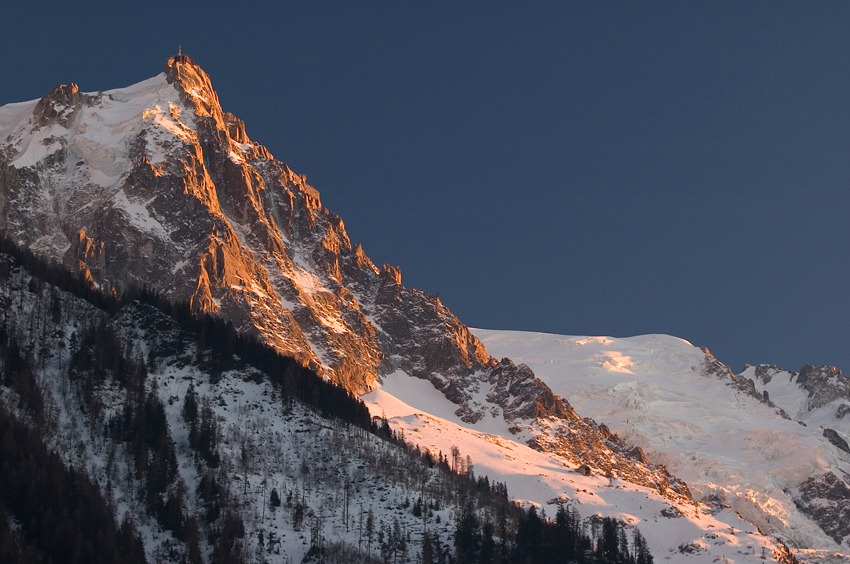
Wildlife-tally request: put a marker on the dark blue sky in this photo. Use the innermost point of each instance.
(595, 168)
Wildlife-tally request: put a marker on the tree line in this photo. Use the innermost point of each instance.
(516, 535)
(219, 346)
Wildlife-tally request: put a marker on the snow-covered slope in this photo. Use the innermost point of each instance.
(156, 185)
(818, 397)
(678, 532)
(708, 427)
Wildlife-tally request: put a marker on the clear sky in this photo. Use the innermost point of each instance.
(612, 168)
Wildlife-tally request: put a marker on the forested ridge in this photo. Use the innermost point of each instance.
(488, 527)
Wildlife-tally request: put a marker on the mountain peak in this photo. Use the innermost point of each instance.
(60, 105)
(154, 185)
(195, 87)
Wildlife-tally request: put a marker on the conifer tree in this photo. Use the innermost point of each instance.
(190, 406)
(370, 530)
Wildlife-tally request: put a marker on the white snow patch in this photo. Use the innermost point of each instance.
(139, 216)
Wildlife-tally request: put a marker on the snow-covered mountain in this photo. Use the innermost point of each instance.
(155, 185)
(213, 453)
(768, 443)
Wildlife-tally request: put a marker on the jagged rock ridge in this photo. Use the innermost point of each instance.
(156, 185)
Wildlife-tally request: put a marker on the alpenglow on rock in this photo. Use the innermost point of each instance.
(156, 185)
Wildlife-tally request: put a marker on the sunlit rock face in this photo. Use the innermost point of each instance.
(156, 185)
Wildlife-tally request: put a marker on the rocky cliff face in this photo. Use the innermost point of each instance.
(156, 185)
(826, 499)
(823, 385)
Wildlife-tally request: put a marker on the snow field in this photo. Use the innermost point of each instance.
(427, 419)
(651, 390)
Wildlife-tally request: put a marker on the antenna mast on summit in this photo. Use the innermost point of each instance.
(181, 58)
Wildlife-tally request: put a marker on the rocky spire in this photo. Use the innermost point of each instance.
(203, 215)
(195, 87)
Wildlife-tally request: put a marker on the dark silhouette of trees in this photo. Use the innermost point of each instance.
(64, 517)
(489, 527)
(564, 541)
(641, 550)
(228, 546)
(18, 373)
(467, 534)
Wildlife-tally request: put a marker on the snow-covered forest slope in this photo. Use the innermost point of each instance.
(207, 446)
